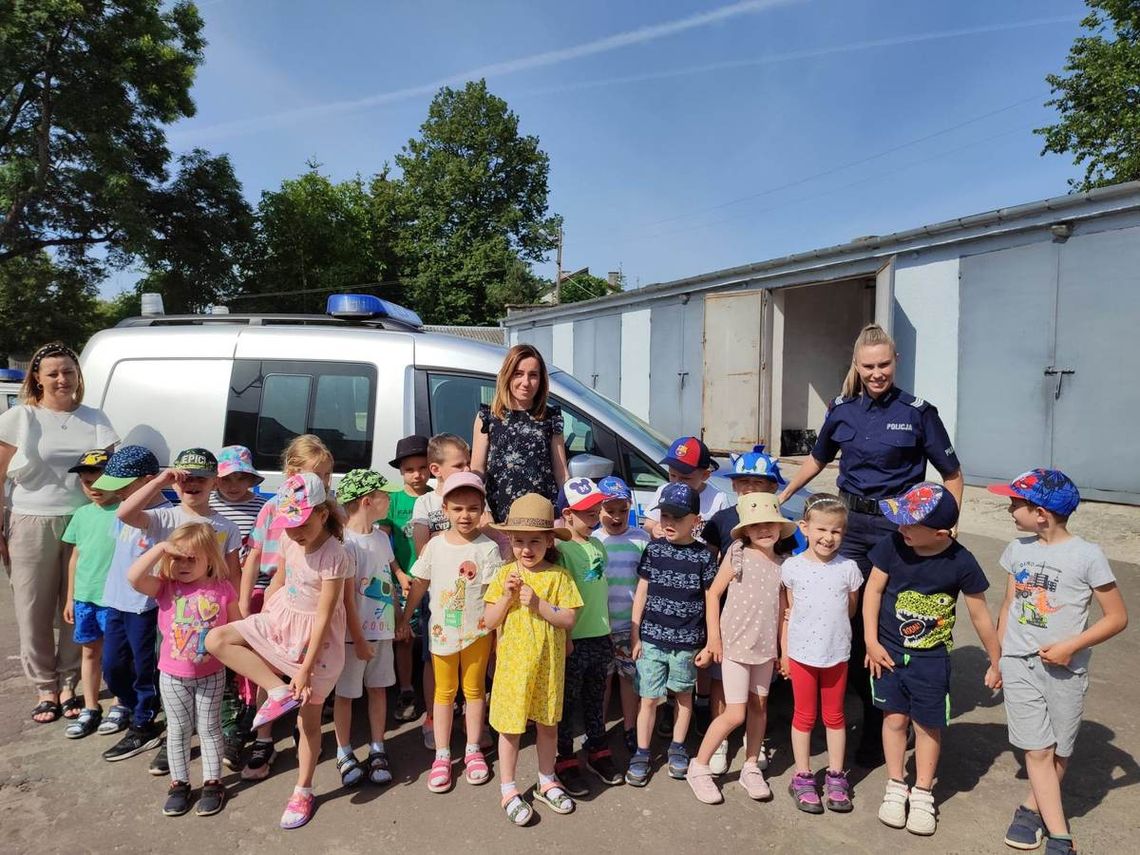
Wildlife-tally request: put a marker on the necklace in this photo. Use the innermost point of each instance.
(61, 423)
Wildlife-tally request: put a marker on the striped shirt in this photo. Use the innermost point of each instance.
(623, 552)
(242, 514)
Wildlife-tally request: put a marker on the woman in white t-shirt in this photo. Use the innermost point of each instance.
(39, 441)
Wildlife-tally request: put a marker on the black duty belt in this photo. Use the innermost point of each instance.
(860, 504)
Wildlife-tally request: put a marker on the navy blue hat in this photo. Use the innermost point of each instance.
(927, 504)
(688, 454)
(125, 465)
(1050, 489)
(679, 499)
(615, 488)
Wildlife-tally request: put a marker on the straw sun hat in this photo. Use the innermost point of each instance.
(761, 508)
(532, 512)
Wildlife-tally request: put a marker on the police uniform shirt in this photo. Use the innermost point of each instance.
(886, 443)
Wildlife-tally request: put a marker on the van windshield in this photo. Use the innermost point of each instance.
(621, 419)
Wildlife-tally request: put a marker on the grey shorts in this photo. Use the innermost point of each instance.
(1044, 703)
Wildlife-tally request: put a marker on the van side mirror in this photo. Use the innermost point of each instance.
(590, 466)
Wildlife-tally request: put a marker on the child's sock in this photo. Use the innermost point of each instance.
(280, 693)
(471, 748)
(303, 791)
(376, 747)
(506, 788)
(545, 780)
(443, 754)
(343, 751)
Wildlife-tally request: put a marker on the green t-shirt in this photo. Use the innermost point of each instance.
(587, 564)
(91, 531)
(399, 520)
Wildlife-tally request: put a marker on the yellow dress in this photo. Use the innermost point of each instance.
(530, 663)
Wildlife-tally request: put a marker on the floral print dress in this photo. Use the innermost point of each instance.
(519, 457)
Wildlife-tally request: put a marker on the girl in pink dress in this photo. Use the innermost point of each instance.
(300, 631)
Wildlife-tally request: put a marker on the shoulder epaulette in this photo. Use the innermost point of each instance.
(839, 399)
(917, 403)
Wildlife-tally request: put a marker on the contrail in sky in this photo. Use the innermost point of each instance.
(641, 35)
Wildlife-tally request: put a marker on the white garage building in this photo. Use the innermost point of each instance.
(1021, 324)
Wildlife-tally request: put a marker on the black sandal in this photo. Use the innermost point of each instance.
(351, 772)
(378, 772)
(44, 707)
(74, 704)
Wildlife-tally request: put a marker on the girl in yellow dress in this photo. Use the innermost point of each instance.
(534, 602)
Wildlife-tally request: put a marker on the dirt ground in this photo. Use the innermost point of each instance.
(58, 795)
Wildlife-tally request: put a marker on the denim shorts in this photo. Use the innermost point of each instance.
(90, 622)
(660, 670)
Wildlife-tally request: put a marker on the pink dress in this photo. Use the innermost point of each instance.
(280, 632)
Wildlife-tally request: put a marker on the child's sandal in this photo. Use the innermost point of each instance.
(475, 768)
(439, 778)
(518, 811)
(350, 772)
(378, 772)
(554, 797)
(85, 725)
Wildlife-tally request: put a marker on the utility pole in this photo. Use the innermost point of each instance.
(558, 271)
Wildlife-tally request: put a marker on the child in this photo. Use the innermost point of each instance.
(623, 544)
(412, 464)
(371, 614)
(535, 602)
(908, 617)
(752, 472)
(669, 624)
(90, 533)
(194, 596)
(301, 631)
(446, 454)
(1046, 644)
(822, 591)
(744, 639)
(590, 661)
(235, 500)
(519, 446)
(304, 453)
(689, 463)
(130, 637)
(454, 568)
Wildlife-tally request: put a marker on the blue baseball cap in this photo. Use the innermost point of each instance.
(1050, 489)
(126, 465)
(927, 504)
(756, 463)
(687, 455)
(679, 499)
(614, 488)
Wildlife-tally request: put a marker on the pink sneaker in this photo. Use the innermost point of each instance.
(702, 784)
(752, 779)
(273, 709)
(298, 811)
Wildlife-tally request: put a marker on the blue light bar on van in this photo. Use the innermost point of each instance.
(11, 375)
(368, 307)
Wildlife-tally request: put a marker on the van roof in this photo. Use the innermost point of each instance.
(265, 320)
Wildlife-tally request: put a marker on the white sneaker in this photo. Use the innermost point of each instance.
(892, 811)
(921, 819)
(718, 765)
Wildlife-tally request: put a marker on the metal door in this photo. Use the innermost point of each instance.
(731, 393)
(1097, 339)
(542, 338)
(607, 356)
(675, 367)
(585, 334)
(1005, 339)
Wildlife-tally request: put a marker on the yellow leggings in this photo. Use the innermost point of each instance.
(470, 663)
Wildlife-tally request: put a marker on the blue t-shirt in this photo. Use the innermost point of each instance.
(678, 576)
(917, 612)
(130, 543)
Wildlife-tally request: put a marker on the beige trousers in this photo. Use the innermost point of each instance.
(39, 589)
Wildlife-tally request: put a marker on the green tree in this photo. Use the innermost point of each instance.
(1098, 97)
(317, 236)
(475, 202)
(86, 87)
(202, 230)
(41, 301)
(583, 286)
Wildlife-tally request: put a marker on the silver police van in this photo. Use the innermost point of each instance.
(359, 377)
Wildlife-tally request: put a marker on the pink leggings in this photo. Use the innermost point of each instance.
(808, 684)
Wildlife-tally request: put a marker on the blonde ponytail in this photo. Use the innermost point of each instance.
(870, 336)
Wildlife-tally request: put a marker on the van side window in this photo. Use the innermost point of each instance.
(272, 401)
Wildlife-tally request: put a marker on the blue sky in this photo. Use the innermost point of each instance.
(684, 135)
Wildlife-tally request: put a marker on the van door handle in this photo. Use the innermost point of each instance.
(1059, 373)
(682, 375)
(594, 380)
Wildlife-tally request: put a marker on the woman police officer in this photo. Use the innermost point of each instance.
(887, 437)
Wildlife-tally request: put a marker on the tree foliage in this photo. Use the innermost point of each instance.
(1098, 97)
(475, 203)
(85, 89)
(583, 286)
(41, 301)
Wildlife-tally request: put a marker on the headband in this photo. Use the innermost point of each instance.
(818, 499)
(55, 348)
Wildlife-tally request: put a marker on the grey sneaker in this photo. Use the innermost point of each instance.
(1059, 846)
(177, 799)
(1026, 831)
